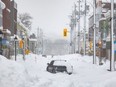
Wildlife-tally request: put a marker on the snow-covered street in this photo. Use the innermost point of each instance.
(32, 72)
(57, 43)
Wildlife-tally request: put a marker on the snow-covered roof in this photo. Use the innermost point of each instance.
(34, 40)
(107, 15)
(1, 28)
(108, 0)
(101, 19)
(8, 31)
(12, 37)
(26, 29)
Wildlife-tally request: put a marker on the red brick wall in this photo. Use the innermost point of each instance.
(6, 14)
(6, 19)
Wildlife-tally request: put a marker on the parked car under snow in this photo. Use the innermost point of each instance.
(59, 66)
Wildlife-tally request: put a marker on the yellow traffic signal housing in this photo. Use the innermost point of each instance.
(21, 43)
(65, 32)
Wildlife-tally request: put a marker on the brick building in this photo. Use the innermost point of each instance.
(2, 6)
(13, 15)
(9, 19)
(10, 16)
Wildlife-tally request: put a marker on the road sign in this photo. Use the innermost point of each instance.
(115, 46)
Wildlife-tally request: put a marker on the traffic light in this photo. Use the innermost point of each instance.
(65, 32)
(21, 43)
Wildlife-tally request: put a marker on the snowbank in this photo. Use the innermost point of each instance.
(32, 72)
(12, 74)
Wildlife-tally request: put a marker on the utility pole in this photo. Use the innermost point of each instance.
(38, 40)
(70, 39)
(85, 30)
(112, 36)
(75, 27)
(94, 28)
(71, 36)
(42, 42)
(79, 29)
(23, 48)
(15, 38)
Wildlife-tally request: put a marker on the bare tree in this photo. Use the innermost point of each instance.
(26, 19)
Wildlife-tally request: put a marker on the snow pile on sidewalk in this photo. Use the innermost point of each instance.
(12, 74)
(32, 72)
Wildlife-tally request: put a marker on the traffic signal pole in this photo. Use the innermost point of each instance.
(75, 28)
(23, 49)
(79, 29)
(94, 28)
(15, 51)
(112, 36)
(85, 31)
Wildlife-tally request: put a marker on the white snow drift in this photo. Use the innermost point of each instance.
(32, 72)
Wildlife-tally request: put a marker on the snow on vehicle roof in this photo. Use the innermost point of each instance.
(61, 62)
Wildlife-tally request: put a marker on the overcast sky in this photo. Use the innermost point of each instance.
(50, 15)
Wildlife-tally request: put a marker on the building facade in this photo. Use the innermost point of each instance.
(13, 15)
(103, 27)
(23, 34)
(9, 22)
(2, 6)
(106, 27)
